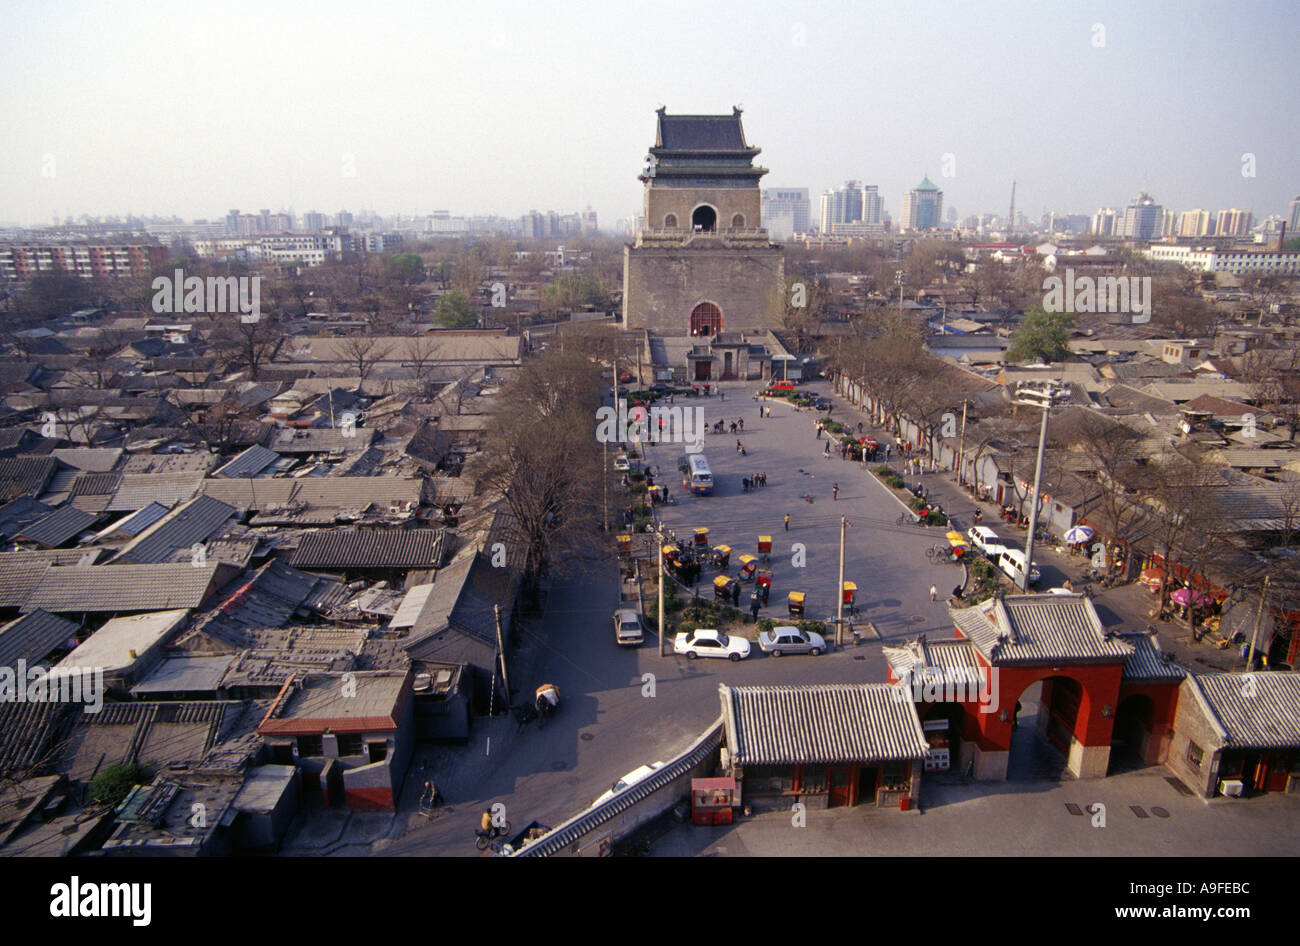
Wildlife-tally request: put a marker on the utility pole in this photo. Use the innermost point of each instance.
(660, 534)
(961, 445)
(839, 591)
(898, 281)
(1254, 634)
(501, 651)
(1034, 397)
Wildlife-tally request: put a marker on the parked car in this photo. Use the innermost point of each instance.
(660, 388)
(621, 463)
(984, 539)
(1012, 563)
(639, 774)
(822, 403)
(627, 627)
(790, 640)
(782, 385)
(707, 642)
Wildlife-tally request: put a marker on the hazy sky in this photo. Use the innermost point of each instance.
(482, 107)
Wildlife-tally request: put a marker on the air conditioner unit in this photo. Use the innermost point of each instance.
(1232, 787)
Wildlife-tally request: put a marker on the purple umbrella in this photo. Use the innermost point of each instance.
(1182, 596)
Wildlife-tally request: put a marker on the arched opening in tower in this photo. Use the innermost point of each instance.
(706, 319)
(704, 218)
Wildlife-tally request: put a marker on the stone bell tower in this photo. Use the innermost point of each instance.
(702, 262)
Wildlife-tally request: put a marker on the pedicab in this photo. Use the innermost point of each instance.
(721, 557)
(954, 551)
(546, 700)
(701, 540)
(748, 567)
(763, 584)
(656, 494)
(796, 603)
(765, 547)
(850, 595)
(624, 547)
(672, 556)
(726, 589)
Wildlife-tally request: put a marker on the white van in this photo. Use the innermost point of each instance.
(1012, 563)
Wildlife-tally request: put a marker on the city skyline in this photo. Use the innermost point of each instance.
(1081, 110)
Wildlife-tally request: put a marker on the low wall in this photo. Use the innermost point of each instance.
(594, 832)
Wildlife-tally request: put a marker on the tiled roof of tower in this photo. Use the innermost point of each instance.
(1035, 629)
(700, 133)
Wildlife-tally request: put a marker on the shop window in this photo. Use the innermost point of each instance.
(311, 746)
(812, 778)
(350, 744)
(769, 779)
(1195, 754)
(893, 775)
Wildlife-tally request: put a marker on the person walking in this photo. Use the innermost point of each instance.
(827, 451)
(787, 522)
(740, 422)
(755, 602)
(835, 492)
(934, 593)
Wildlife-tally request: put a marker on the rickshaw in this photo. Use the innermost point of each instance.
(701, 540)
(672, 554)
(765, 548)
(954, 551)
(656, 494)
(763, 584)
(796, 603)
(748, 567)
(724, 588)
(546, 700)
(624, 547)
(850, 594)
(721, 557)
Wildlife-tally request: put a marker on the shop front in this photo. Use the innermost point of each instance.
(827, 746)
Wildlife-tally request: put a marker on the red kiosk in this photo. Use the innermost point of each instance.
(713, 800)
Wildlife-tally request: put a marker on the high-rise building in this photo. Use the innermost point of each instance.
(1143, 219)
(1294, 225)
(1194, 223)
(873, 208)
(923, 207)
(843, 205)
(1104, 222)
(786, 211)
(1233, 223)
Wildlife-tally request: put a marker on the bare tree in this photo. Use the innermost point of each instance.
(362, 352)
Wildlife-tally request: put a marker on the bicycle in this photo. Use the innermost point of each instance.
(908, 518)
(483, 838)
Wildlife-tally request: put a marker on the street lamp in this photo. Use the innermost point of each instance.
(1044, 397)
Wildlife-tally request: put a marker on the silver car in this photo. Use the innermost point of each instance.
(790, 640)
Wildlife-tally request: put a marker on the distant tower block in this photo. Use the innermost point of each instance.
(702, 263)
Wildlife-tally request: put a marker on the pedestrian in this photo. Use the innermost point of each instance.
(740, 421)
(735, 594)
(934, 593)
(787, 522)
(755, 602)
(835, 492)
(763, 477)
(827, 451)
(722, 394)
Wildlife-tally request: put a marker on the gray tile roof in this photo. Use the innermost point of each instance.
(180, 530)
(956, 656)
(96, 484)
(387, 548)
(1036, 629)
(1254, 711)
(778, 725)
(334, 492)
(58, 527)
(249, 463)
(32, 637)
(266, 599)
(23, 511)
(25, 476)
(138, 522)
(124, 588)
(29, 733)
(1149, 662)
(700, 133)
(138, 490)
(290, 441)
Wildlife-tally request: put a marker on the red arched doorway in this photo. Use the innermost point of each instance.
(706, 319)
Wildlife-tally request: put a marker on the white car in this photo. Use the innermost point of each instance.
(706, 642)
(639, 774)
(984, 539)
(627, 627)
(621, 463)
(790, 640)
